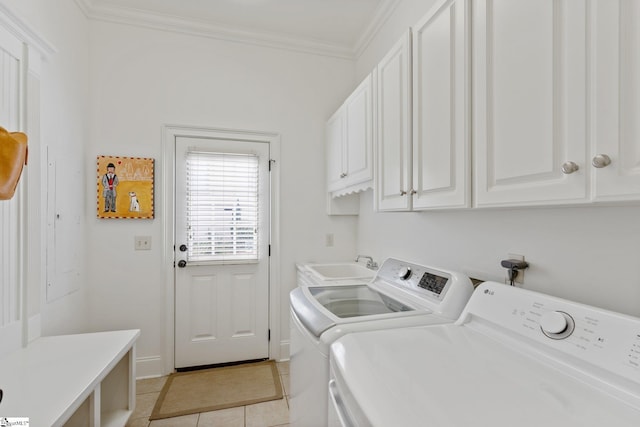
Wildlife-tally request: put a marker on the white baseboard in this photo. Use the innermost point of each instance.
(149, 367)
(284, 350)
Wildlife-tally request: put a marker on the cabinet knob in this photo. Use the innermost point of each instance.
(412, 192)
(402, 192)
(343, 174)
(601, 161)
(569, 167)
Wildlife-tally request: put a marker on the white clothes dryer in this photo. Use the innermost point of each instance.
(401, 294)
(514, 357)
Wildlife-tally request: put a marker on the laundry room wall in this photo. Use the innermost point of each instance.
(64, 90)
(587, 254)
(142, 79)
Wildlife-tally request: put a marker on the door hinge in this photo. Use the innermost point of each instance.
(271, 161)
(269, 335)
(269, 250)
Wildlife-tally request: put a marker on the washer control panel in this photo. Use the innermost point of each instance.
(415, 278)
(443, 292)
(433, 282)
(600, 337)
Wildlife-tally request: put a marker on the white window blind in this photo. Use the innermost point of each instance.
(222, 207)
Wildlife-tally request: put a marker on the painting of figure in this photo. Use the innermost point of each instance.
(125, 187)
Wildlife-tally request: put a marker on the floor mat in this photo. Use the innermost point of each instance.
(218, 388)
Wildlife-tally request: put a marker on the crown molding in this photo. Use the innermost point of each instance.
(382, 13)
(25, 33)
(157, 21)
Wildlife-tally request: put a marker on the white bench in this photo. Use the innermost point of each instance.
(72, 380)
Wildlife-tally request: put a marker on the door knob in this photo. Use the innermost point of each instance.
(569, 167)
(182, 263)
(183, 248)
(601, 161)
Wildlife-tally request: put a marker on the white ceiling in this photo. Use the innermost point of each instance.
(333, 27)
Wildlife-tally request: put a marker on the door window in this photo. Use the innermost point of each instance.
(222, 207)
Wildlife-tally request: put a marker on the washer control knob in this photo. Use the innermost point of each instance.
(556, 324)
(404, 273)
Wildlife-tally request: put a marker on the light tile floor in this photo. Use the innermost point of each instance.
(266, 414)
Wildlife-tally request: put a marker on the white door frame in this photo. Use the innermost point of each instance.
(167, 203)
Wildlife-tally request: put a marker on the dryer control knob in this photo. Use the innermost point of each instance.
(404, 273)
(556, 324)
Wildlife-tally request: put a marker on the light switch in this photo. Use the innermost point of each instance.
(142, 243)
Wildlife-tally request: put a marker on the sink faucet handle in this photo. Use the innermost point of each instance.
(370, 262)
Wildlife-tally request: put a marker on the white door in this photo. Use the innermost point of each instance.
(393, 128)
(222, 251)
(441, 113)
(529, 101)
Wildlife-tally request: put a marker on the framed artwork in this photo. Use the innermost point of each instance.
(125, 187)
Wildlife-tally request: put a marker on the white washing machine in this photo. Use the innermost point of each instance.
(514, 358)
(401, 294)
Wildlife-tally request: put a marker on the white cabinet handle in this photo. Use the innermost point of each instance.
(569, 167)
(601, 161)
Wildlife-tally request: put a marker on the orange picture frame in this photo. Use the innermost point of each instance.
(125, 187)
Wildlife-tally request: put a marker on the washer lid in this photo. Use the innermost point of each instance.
(320, 307)
(450, 375)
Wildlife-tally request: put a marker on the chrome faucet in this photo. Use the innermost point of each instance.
(370, 262)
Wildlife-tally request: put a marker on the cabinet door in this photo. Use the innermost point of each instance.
(393, 128)
(441, 161)
(616, 108)
(358, 121)
(529, 101)
(334, 150)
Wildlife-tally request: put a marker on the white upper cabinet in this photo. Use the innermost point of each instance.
(441, 134)
(393, 128)
(349, 142)
(615, 106)
(529, 102)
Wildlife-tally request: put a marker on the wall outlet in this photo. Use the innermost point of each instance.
(520, 276)
(328, 238)
(142, 243)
